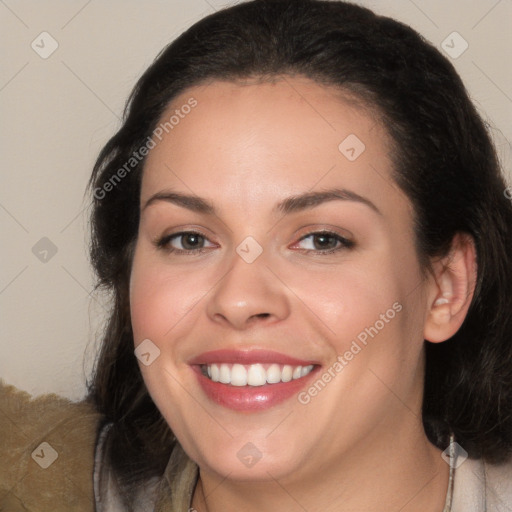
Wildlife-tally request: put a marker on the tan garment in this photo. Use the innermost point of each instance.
(69, 431)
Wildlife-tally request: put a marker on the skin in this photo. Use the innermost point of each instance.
(359, 444)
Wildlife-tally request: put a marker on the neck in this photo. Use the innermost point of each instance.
(401, 471)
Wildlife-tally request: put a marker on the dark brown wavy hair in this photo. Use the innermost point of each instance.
(444, 161)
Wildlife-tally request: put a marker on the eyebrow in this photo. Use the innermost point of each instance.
(289, 205)
(190, 202)
(311, 199)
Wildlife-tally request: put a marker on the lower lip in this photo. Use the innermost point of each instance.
(251, 398)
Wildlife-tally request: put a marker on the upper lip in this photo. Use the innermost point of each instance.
(232, 356)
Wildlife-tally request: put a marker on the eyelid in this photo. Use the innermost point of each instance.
(163, 242)
(346, 242)
(183, 228)
(177, 236)
(314, 229)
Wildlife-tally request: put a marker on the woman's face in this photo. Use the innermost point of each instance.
(276, 254)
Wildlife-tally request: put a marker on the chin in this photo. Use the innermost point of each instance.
(244, 460)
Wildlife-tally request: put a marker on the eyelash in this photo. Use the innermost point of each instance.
(343, 243)
(163, 243)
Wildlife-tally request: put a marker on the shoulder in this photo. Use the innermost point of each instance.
(499, 485)
(48, 445)
(480, 486)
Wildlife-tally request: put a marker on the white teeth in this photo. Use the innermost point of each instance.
(214, 371)
(238, 375)
(274, 374)
(254, 374)
(225, 374)
(286, 375)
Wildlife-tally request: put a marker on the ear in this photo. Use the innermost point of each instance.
(451, 290)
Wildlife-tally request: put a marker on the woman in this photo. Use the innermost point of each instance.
(307, 238)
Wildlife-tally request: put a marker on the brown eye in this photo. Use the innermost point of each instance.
(185, 242)
(190, 241)
(324, 242)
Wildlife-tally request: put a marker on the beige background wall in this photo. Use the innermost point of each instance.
(58, 111)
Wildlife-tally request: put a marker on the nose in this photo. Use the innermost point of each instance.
(248, 295)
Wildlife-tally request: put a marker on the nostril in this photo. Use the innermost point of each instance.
(257, 318)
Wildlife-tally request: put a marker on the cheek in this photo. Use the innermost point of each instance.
(160, 297)
(353, 296)
(370, 312)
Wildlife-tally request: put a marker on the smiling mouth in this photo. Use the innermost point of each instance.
(254, 375)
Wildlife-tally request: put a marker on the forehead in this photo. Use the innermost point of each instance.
(292, 134)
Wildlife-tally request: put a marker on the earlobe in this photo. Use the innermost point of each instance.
(451, 290)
